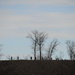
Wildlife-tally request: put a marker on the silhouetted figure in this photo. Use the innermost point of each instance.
(17, 58)
(11, 58)
(30, 58)
(35, 58)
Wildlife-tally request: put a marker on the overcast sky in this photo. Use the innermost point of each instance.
(20, 17)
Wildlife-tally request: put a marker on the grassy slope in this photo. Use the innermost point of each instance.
(24, 67)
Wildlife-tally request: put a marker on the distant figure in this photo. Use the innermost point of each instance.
(30, 58)
(51, 58)
(11, 58)
(35, 58)
(17, 58)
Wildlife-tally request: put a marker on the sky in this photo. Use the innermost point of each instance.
(20, 17)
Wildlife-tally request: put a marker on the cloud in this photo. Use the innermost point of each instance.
(61, 35)
(18, 25)
(37, 2)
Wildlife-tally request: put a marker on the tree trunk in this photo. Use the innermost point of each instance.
(40, 52)
(34, 53)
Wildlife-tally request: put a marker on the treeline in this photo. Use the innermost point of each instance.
(38, 40)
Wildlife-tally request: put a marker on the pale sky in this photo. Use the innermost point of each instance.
(20, 17)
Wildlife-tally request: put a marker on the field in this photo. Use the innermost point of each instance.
(31, 67)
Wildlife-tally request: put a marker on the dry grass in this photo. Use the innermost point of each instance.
(26, 67)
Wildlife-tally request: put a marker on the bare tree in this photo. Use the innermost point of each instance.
(41, 39)
(52, 48)
(71, 49)
(38, 39)
(34, 38)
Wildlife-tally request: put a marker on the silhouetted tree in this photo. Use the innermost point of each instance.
(38, 39)
(34, 38)
(52, 48)
(41, 40)
(71, 49)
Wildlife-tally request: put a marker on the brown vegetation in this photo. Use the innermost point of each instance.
(28, 67)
